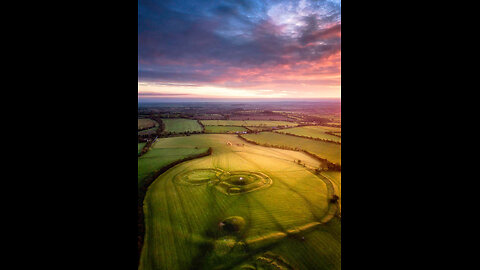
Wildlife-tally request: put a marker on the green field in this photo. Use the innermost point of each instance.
(314, 132)
(179, 125)
(326, 150)
(243, 207)
(223, 129)
(144, 123)
(159, 156)
(259, 128)
(148, 131)
(140, 147)
(247, 123)
(336, 179)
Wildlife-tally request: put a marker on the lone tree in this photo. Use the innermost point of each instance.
(321, 167)
(334, 198)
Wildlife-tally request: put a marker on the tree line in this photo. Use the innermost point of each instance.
(311, 138)
(329, 165)
(333, 134)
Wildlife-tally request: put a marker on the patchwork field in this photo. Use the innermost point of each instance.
(259, 117)
(242, 207)
(314, 132)
(247, 123)
(179, 125)
(224, 129)
(326, 150)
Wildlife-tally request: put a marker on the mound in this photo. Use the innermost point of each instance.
(270, 260)
(232, 224)
(198, 176)
(238, 182)
(230, 183)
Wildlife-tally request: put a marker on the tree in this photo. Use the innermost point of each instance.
(334, 198)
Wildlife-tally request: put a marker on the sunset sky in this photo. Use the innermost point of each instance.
(238, 49)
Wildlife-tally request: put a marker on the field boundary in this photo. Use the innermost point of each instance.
(330, 165)
(147, 146)
(332, 133)
(200, 123)
(166, 133)
(149, 127)
(245, 124)
(156, 133)
(143, 190)
(331, 125)
(247, 130)
(311, 138)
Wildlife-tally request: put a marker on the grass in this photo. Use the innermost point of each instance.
(336, 179)
(179, 125)
(140, 147)
(144, 123)
(158, 157)
(314, 132)
(183, 229)
(246, 123)
(224, 129)
(326, 150)
(259, 128)
(148, 131)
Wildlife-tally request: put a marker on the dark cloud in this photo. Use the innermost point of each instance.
(199, 41)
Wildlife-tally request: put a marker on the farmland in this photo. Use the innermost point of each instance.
(248, 123)
(212, 199)
(326, 150)
(180, 125)
(222, 211)
(260, 128)
(224, 129)
(336, 179)
(140, 146)
(147, 126)
(160, 156)
(145, 123)
(318, 132)
(149, 131)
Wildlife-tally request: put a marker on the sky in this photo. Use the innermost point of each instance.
(238, 49)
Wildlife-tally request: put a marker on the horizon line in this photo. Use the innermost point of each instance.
(167, 100)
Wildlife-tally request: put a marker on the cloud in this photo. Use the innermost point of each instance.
(239, 43)
(157, 94)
